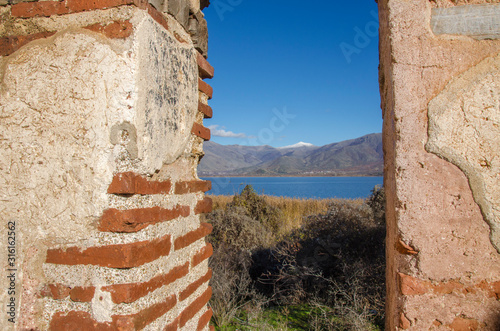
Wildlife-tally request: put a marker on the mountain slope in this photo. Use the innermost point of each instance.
(357, 157)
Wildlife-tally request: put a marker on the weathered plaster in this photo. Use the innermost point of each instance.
(75, 108)
(464, 128)
(430, 205)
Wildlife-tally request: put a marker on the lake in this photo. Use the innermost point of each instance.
(298, 187)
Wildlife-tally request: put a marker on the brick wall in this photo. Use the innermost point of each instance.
(439, 93)
(103, 105)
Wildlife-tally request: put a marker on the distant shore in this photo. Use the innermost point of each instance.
(278, 176)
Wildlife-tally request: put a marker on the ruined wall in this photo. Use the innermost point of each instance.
(440, 86)
(101, 130)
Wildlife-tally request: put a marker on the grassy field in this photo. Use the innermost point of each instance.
(297, 264)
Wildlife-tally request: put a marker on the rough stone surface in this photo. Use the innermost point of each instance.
(180, 10)
(464, 128)
(76, 109)
(477, 21)
(198, 30)
(430, 205)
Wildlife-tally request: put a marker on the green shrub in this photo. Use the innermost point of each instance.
(334, 263)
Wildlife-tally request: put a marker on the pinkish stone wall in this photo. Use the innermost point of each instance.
(440, 100)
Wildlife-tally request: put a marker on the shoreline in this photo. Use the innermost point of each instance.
(283, 176)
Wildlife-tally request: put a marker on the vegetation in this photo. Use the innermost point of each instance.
(292, 264)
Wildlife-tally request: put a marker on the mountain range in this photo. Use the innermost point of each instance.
(356, 157)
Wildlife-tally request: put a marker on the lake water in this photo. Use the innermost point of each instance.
(300, 187)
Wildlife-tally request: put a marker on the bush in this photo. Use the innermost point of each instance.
(256, 208)
(334, 264)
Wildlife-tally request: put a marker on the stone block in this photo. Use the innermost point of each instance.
(198, 30)
(180, 10)
(477, 21)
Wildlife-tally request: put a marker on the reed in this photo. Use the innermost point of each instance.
(293, 210)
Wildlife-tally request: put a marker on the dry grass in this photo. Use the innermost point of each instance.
(293, 209)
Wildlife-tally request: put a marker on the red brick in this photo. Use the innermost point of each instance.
(205, 88)
(112, 256)
(193, 186)
(48, 8)
(202, 255)
(9, 45)
(195, 307)
(127, 293)
(194, 286)
(58, 291)
(448, 287)
(205, 109)
(403, 248)
(203, 206)
(190, 237)
(204, 319)
(79, 320)
(492, 289)
(149, 315)
(404, 322)
(133, 220)
(116, 29)
(42, 8)
(158, 17)
(464, 324)
(82, 294)
(412, 286)
(172, 326)
(205, 70)
(201, 131)
(495, 290)
(128, 183)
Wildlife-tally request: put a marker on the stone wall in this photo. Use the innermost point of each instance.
(101, 129)
(440, 86)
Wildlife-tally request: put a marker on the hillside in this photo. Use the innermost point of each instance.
(357, 157)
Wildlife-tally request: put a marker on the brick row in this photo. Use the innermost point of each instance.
(127, 293)
(186, 293)
(204, 319)
(193, 236)
(128, 183)
(197, 305)
(205, 88)
(173, 326)
(203, 254)
(192, 186)
(113, 256)
(120, 293)
(49, 8)
(201, 131)
(205, 70)
(116, 29)
(203, 206)
(133, 220)
(80, 320)
(206, 110)
(413, 286)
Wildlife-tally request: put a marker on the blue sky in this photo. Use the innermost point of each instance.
(290, 71)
